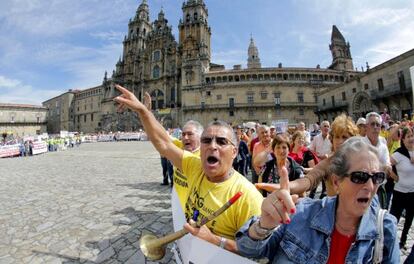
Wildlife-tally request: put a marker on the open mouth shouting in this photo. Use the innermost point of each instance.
(364, 201)
(212, 161)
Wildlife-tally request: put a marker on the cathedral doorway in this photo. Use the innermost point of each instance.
(361, 105)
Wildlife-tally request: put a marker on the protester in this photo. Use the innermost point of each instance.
(166, 171)
(321, 143)
(190, 141)
(340, 229)
(301, 127)
(385, 117)
(240, 162)
(374, 122)
(403, 195)
(211, 179)
(271, 162)
(361, 124)
(301, 154)
(343, 127)
(262, 146)
(322, 146)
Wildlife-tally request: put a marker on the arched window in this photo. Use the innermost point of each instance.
(156, 72)
(157, 99)
(187, 18)
(156, 55)
(195, 16)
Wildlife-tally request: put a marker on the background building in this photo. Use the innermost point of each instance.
(60, 112)
(387, 85)
(185, 84)
(22, 120)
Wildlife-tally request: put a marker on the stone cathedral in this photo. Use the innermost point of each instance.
(185, 84)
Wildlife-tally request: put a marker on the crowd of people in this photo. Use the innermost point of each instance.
(357, 162)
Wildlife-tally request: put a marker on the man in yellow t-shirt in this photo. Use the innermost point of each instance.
(211, 177)
(190, 141)
(206, 197)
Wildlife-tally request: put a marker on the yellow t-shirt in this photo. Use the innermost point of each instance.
(180, 180)
(207, 197)
(395, 145)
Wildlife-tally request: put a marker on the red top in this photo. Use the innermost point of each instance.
(252, 143)
(340, 245)
(298, 156)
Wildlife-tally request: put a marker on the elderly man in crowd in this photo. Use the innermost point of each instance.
(322, 146)
(362, 128)
(212, 181)
(190, 141)
(301, 127)
(373, 128)
(261, 146)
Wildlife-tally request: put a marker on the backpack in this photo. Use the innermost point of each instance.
(379, 242)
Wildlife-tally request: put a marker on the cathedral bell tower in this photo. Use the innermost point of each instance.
(194, 42)
(134, 43)
(253, 60)
(341, 52)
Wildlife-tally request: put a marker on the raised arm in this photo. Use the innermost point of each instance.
(155, 131)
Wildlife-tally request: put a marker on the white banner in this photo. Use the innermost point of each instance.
(197, 251)
(9, 150)
(39, 147)
(280, 125)
(412, 86)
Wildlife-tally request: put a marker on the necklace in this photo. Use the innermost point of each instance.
(199, 199)
(346, 230)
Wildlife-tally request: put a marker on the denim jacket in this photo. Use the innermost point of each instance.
(307, 238)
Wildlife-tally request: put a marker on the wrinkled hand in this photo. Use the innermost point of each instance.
(203, 232)
(128, 100)
(277, 207)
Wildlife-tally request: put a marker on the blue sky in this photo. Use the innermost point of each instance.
(50, 46)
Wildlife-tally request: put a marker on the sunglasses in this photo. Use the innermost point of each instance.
(361, 177)
(221, 141)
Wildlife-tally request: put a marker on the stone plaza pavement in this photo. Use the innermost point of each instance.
(84, 205)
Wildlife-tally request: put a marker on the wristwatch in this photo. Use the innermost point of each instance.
(262, 231)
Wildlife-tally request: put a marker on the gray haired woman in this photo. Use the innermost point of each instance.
(339, 229)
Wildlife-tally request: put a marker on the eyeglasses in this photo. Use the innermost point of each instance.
(221, 141)
(188, 134)
(361, 177)
(375, 124)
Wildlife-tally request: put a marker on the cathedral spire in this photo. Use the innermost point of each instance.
(253, 60)
(341, 52)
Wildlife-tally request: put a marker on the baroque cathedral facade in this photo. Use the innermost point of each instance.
(185, 84)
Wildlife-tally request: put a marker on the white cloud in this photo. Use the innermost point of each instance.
(15, 91)
(57, 18)
(230, 58)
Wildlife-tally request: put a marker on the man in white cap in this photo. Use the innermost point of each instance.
(362, 126)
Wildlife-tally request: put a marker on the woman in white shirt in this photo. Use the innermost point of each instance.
(403, 195)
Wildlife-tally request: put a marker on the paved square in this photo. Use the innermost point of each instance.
(84, 205)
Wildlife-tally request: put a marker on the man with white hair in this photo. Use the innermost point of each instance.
(301, 127)
(373, 128)
(321, 143)
(212, 181)
(261, 146)
(190, 141)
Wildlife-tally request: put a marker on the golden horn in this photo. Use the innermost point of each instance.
(154, 248)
